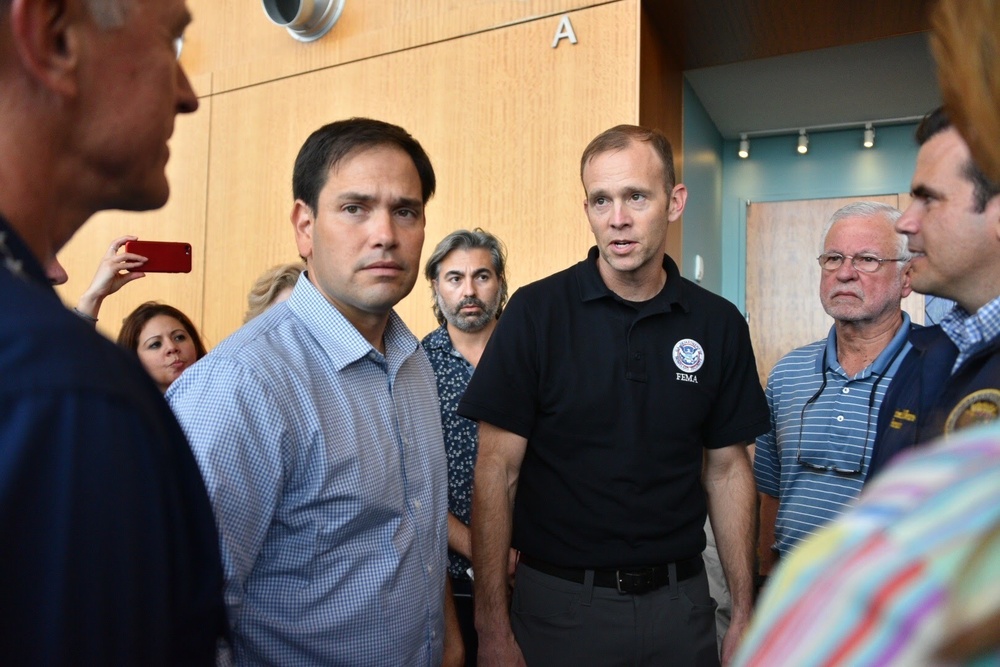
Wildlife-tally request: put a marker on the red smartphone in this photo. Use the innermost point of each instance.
(162, 256)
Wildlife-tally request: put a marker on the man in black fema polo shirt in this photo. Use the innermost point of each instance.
(601, 392)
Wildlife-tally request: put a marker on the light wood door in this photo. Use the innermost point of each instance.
(782, 290)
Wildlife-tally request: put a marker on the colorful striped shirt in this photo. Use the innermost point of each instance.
(883, 584)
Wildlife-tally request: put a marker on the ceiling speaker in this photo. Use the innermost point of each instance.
(305, 20)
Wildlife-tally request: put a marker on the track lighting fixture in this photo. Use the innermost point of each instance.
(869, 140)
(803, 142)
(744, 151)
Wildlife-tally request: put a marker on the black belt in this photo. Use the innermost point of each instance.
(461, 587)
(634, 580)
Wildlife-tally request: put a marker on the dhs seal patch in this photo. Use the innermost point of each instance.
(979, 407)
(689, 355)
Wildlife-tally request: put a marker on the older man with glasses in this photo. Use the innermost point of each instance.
(824, 397)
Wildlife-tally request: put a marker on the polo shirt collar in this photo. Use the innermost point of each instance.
(882, 361)
(592, 286)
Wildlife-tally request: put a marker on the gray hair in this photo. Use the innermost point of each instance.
(463, 239)
(869, 210)
(107, 13)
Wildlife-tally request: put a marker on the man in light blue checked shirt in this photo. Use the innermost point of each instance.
(824, 397)
(317, 429)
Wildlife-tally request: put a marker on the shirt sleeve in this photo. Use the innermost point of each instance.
(504, 389)
(767, 462)
(236, 430)
(740, 413)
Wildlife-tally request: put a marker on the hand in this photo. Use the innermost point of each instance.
(734, 636)
(512, 559)
(500, 652)
(454, 651)
(109, 277)
(768, 559)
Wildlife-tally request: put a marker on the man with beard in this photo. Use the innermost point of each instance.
(469, 287)
(824, 397)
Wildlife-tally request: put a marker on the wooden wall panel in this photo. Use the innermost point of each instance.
(661, 81)
(182, 219)
(503, 116)
(236, 41)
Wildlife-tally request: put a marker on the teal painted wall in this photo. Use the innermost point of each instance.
(719, 184)
(702, 219)
(836, 166)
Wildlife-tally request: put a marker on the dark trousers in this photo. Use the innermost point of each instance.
(559, 622)
(462, 594)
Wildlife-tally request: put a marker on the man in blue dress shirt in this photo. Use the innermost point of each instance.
(110, 554)
(317, 429)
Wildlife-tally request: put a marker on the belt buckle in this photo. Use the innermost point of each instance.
(634, 581)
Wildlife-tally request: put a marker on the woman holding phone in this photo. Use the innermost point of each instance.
(164, 339)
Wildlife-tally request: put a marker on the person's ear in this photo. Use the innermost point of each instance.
(302, 219)
(677, 201)
(906, 288)
(992, 211)
(47, 38)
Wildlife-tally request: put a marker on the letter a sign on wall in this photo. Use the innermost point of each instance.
(564, 31)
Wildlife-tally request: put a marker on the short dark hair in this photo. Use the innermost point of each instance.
(620, 136)
(463, 239)
(128, 335)
(983, 188)
(328, 146)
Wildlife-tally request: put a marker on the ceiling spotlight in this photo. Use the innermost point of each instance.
(803, 142)
(869, 136)
(744, 151)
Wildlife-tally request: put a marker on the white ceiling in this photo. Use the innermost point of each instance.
(889, 79)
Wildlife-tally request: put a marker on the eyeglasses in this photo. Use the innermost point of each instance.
(805, 463)
(831, 261)
(854, 470)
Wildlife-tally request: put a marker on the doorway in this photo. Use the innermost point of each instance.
(782, 281)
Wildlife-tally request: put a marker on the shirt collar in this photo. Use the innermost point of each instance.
(16, 258)
(592, 286)
(340, 340)
(438, 339)
(877, 367)
(969, 332)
